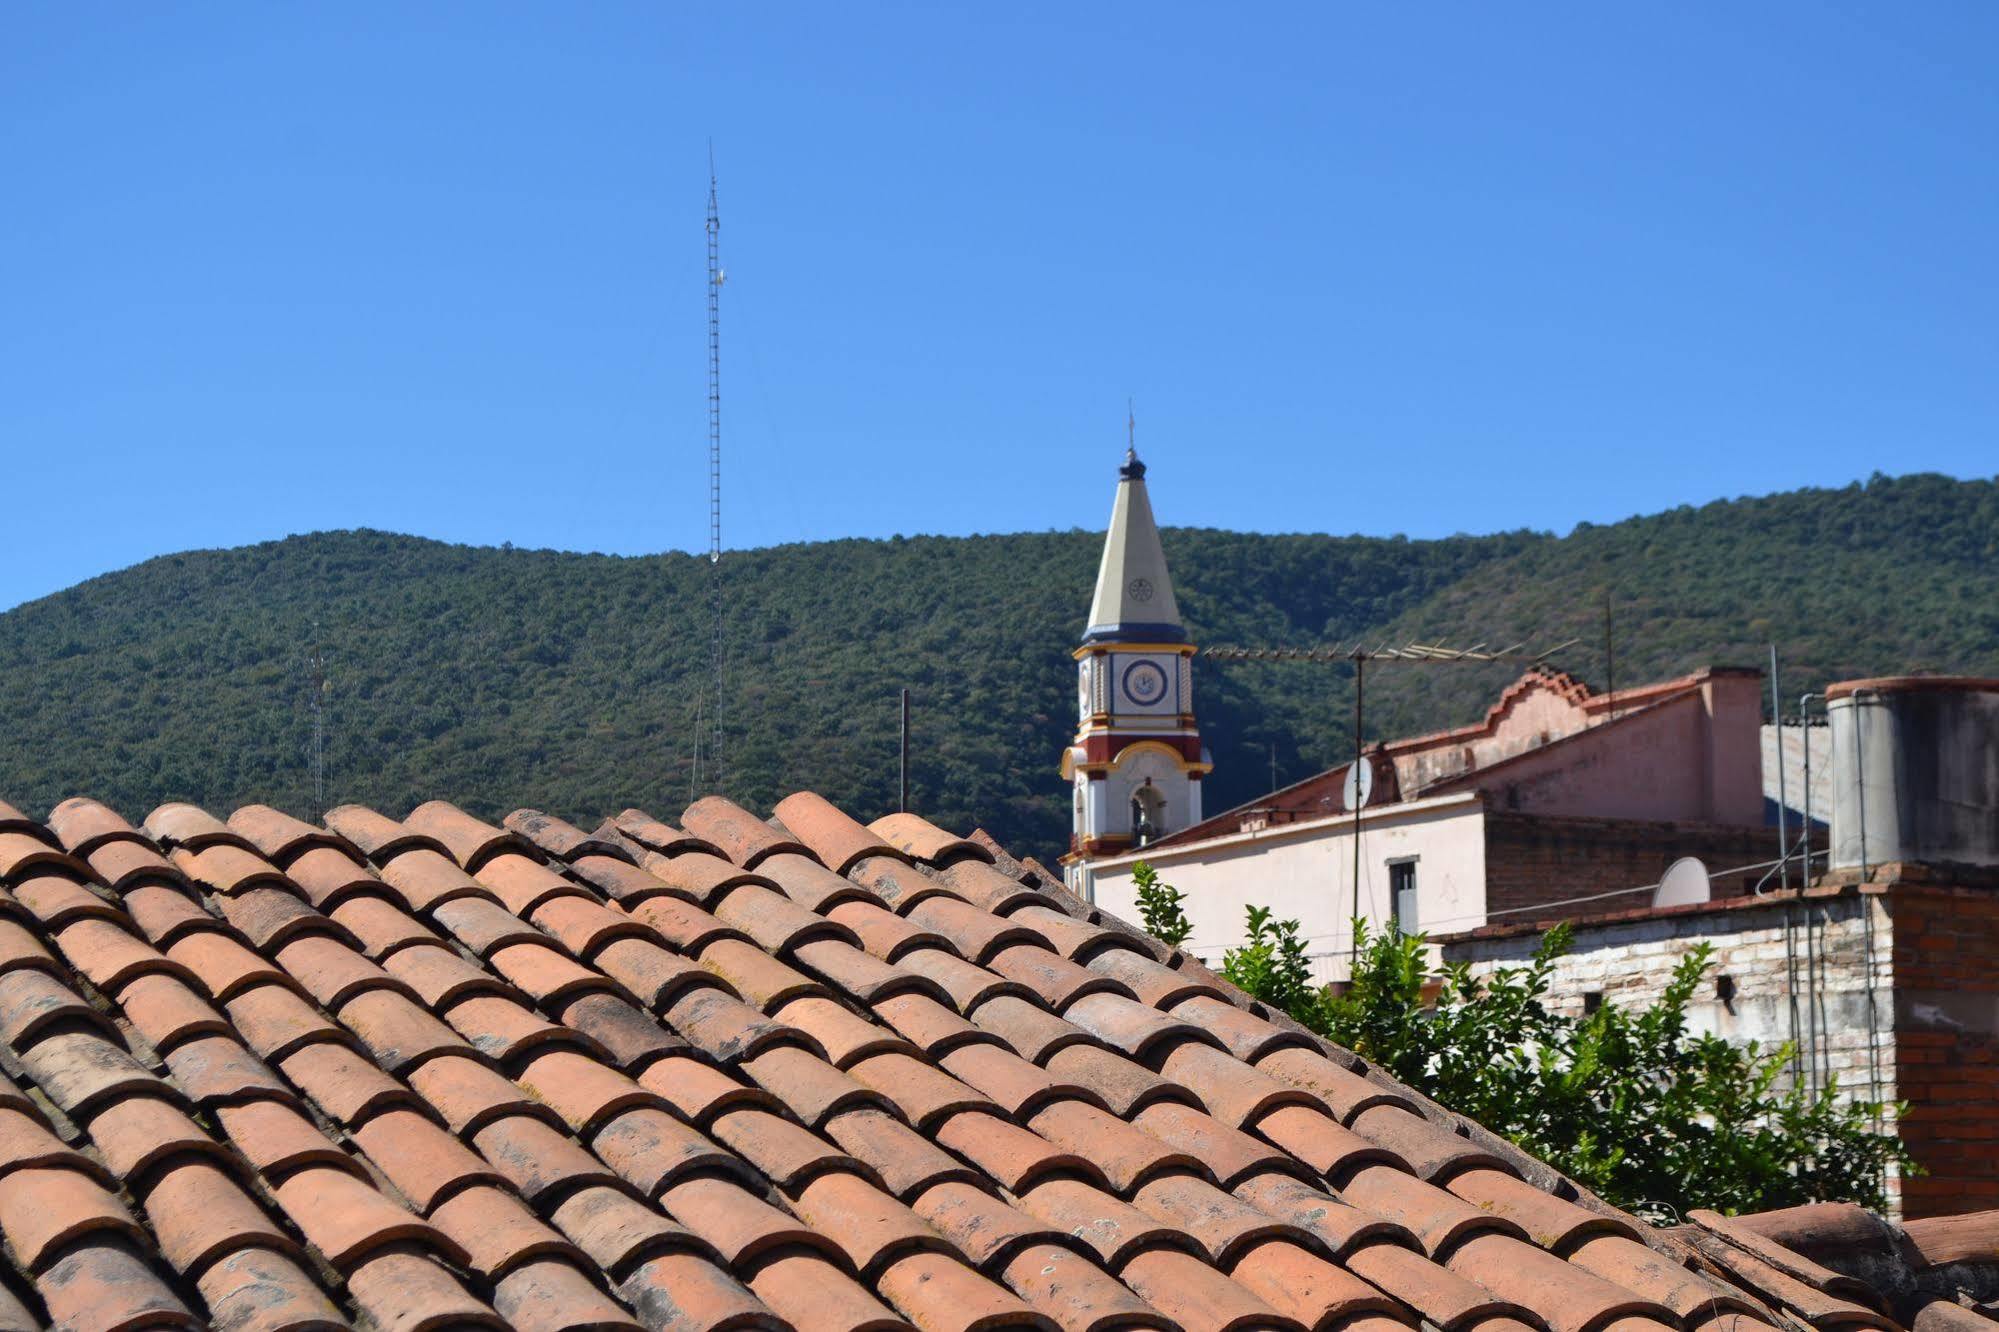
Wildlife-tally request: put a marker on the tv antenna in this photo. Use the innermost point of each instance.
(1359, 786)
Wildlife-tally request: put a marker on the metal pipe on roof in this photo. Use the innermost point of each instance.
(1783, 829)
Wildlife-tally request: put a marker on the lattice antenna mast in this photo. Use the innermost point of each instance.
(719, 667)
(715, 279)
(1360, 655)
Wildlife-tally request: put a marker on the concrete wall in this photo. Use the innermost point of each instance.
(1304, 871)
(1791, 761)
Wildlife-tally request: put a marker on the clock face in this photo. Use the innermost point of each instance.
(1144, 683)
(1140, 589)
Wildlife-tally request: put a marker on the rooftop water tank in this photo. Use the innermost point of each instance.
(1915, 771)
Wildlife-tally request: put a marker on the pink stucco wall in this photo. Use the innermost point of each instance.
(1690, 754)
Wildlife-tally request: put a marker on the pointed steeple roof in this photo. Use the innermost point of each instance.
(1134, 601)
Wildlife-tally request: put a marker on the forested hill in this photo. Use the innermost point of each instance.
(497, 678)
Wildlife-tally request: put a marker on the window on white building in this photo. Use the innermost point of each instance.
(1402, 893)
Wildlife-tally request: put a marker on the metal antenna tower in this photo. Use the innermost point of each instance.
(718, 666)
(715, 279)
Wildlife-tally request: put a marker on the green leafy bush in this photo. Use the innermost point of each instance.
(1626, 1101)
(1159, 906)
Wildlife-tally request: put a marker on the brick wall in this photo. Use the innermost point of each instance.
(1531, 859)
(1946, 956)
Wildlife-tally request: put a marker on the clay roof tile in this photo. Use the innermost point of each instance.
(918, 837)
(105, 1285)
(469, 1095)
(259, 1289)
(685, 1290)
(1431, 1150)
(402, 1288)
(423, 1161)
(21, 852)
(471, 842)
(225, 867)
(122, 864)
(987, 888)
(1304, 1286)
(214, 1070)
(871, 1227)
(44, 1208)
(525, 886)
(883, 933)
(138, 1133)
(1195, 1295)
(82, 1070)
(1340, 1228)
(1229, 1154)
(1017, 1086)
(839, 841)
(1439, 1295)
(1562, 1294)
(197, 1213)
(809, 883)
(551, 1295)
(328, 876)
(940, 1293)
(1012, 1156)
(425, 880)
(929, 1023)
(278, 1139)
(657, 835)
(1075, 1292)
(280, 836)
(903, 1160)
(82, 825)
(377, 836)
(844, 1035)
(543, 1164)
(180, 824)
(557, 837)
(811, 1290)
(630, 1036)
(739, 834)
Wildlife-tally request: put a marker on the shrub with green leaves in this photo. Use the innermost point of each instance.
(1626, 1101)
(1159, 906)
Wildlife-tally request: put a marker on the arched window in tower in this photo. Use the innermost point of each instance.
(1148, 814)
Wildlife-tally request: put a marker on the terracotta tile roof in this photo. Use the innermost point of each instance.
(737, 1073)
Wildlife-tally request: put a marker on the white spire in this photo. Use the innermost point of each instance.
(1134, 600)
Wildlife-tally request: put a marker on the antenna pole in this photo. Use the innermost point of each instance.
(316, 672)
(718, 665)
(1609, 655)
(902, 786)
(1353, 926)
(714, 365)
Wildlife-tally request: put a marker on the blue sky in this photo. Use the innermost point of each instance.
(439, 268)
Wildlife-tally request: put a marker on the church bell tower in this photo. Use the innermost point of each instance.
(1137, 761)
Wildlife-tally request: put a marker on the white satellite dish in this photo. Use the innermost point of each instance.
(1684, 883)
(1364, 771)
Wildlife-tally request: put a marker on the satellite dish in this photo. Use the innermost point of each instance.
(1364, 772)
(1684, 883)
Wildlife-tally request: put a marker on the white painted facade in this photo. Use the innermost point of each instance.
(1305, 871)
